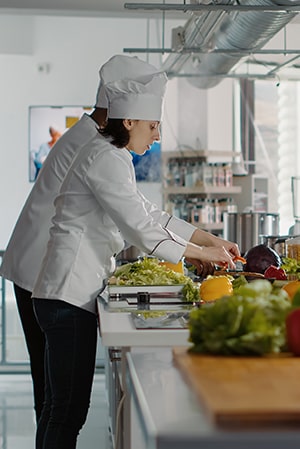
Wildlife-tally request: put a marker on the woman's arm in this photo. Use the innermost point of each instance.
(204, 238)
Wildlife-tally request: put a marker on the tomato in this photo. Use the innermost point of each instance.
(293, 331)
(273, 272)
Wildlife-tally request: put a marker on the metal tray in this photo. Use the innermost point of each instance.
(160, 319)
(151, 289)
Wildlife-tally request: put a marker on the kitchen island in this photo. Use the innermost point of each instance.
(151, 404)
(119, 336)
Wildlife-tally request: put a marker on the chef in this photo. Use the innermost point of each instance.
(27, 245)
(98, 207)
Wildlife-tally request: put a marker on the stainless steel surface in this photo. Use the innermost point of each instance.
(246, 228)
(114, 384)
(166, 291)
(165, 319)
(295, 229)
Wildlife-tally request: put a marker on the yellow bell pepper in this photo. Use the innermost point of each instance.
(291, 288)
(214, 287)
(178, 267)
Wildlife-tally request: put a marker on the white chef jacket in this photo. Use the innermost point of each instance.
(99, 206)
(27, 245)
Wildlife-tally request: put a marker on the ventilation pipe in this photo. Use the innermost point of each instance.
(220, 30)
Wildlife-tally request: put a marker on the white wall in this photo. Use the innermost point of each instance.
(198, 118)
(74, 48)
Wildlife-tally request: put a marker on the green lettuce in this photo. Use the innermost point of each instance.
(250, 322)
(291, 266)
(147, 271)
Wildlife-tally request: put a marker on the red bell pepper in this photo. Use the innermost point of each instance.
(273, 272)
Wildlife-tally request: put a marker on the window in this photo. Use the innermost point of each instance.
(269, 117)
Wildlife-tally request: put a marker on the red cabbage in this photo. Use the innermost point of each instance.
(260, 257)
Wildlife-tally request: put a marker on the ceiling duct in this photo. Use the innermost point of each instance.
(220, 35)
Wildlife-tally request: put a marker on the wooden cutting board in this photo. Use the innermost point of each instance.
(243, 391)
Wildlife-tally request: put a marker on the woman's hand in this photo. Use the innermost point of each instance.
(203, 268)
(218, 255)
(231, 248)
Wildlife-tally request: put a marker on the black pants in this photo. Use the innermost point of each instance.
(35, 342)
(70, 353)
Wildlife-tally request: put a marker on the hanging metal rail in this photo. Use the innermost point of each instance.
(211, 7)
(273, 66)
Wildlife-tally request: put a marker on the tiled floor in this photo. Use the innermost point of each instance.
(17, 426)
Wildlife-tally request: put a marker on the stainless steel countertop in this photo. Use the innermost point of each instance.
(117, 329)
(172, 418)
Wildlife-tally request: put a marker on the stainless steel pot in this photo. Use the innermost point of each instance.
(246, 228)
(276, 242)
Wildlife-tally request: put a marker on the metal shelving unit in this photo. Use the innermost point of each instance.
(210, 192)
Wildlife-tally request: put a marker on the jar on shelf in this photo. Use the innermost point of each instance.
(293, 248)
(223, 207)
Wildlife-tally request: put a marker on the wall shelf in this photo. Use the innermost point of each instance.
(174, 190)
(198, 154)
(198, 186)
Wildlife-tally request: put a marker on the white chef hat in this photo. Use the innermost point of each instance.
(138, 99)
(120, 67)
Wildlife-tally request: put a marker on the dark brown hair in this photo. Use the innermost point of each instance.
(115, 129)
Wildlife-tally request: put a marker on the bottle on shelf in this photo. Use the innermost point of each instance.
(199, 171)
(189, 175)
(231, 206)
(208, 175)
(228, 175)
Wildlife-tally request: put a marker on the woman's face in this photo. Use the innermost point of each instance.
(142, 134)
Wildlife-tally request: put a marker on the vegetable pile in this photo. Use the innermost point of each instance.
(249, 322)
(291, 266)
(148, 271)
